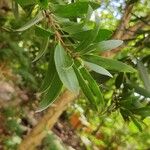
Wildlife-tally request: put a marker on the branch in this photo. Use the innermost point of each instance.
(47, 121)
(124, 22)
(124, 32)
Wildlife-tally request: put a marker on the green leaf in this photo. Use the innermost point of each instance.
(97, 68)
(50, 72)
(43, 3)
(89, 87)
(85, 88)
(106, 45)
(119, 80)
(32, 22)
(25, 2)
(103, 34)
(109, 64)
(51, 93)
(143, 111)
(89, 39)
(81, 35)
(76, 9)
(89, 13)
(43, 49)
(39, 31)
(130, 102)
(64, 68)
(51, 85)
(138, 89)
(73, 28)
(136, 123)
(144, 75)
(102, 46)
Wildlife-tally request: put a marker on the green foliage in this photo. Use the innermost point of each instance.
(59, 46)
(76, 9)
(32, 22)
(65, 70)
(109, 64)
(82, 40)
(51, 85)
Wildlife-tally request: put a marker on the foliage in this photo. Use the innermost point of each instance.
(57, 45)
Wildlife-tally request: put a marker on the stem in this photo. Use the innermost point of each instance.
(36, 136)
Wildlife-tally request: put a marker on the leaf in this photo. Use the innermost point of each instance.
(85, 88)
(138, 89)
(97, 68)
(102, 46)
(103, 34)
(50, 72)
(43, 3)
(125, 114)
(109, 63)
(64, 68)
(39, 31)
(136, 123)
(143, 111)
(144, 75)
(108, 45)
(73, 28)
(80, 35)
(105, 45)
(89, 39)
(51, 93)
(43, 49)
(89, 87)
(51, 85)
(93, 86)
(119, 80)
(32, 22)
(73, 9)
(25, 2)
(89, 13)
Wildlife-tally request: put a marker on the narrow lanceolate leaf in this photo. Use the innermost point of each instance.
(85, 88)
(97, 68)
(91, 36)
(139, 90)
(144, 75)
(136, 123)
(73, 28)
(89, 87)
(51, 94)
(142, 111)
(43, 49)
(39, 31)
(43, 3)
(32, 22)
(108, 45)
(94, 87)
(89, 13)
(65, 70)
(50, 72)
(25, 2)
(109, 63)
(51, 85)
(74, 9)
(103, 34)
(103, 46)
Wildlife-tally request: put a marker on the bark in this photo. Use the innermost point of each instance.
(123, 24)
(36, 136)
